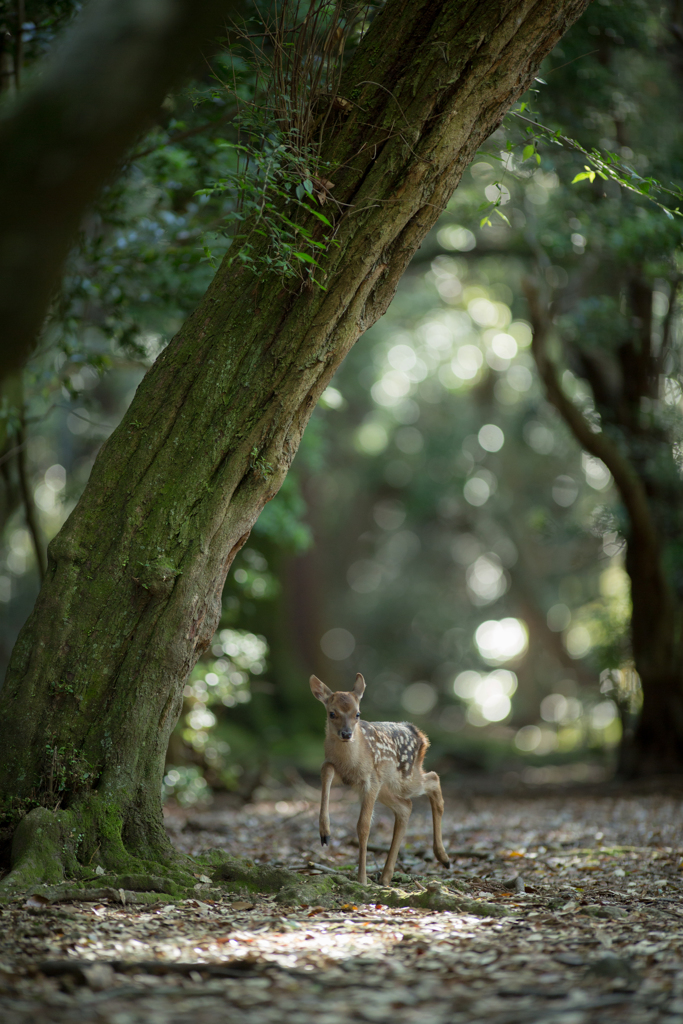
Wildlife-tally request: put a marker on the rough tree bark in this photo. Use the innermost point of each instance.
(639, 455)
(133, 589)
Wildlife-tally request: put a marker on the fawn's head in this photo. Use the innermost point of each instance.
(343, 712)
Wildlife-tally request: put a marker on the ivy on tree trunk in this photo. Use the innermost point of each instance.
(132, 594)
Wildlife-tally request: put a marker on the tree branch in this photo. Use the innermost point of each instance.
(66, 135)
(600, 444)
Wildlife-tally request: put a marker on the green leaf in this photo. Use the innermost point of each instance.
(308, 185)
(485, 221)
(528, 151)
(305, 258)
(502, 215)
(320, 216)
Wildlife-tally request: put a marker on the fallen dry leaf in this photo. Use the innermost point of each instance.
(36, 901)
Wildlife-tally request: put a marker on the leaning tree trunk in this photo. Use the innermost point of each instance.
(133, 589)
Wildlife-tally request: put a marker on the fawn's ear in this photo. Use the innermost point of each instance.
(359, 686)
(319, 690)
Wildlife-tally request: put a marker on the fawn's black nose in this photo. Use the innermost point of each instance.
(345, 734)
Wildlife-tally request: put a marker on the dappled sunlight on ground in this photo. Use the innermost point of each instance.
(585, 889)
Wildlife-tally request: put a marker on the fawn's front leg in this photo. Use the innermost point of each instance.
(326, 776)
(402, 809)
(363, 830)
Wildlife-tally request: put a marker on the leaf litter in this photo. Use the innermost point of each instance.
(586, 890)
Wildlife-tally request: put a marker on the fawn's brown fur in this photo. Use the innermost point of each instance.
(381, 761)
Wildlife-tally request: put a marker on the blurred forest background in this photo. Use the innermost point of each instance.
(441, 531)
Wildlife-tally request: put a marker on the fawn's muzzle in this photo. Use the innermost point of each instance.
(345, 734)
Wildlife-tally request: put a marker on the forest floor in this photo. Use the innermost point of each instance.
(586, 888)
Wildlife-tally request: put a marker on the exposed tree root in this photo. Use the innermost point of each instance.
(81, 894)
(45, 862)
(85, 848)
(438, 897)
(246, 878)
(39, 851)
(80, 969)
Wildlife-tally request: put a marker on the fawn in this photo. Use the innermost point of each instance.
(382, 761)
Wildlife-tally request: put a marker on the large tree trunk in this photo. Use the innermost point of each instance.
(133, 588)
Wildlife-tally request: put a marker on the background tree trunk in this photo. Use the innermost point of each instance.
(656, 744)
(640, 458)
(133, 589)
(67, 134)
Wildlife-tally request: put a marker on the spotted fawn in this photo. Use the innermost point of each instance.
(381, 761)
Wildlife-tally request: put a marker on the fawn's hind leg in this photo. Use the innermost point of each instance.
(402, 809)
(432, 788)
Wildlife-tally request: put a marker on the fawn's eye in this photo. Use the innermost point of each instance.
(332, 714)
(357, 714)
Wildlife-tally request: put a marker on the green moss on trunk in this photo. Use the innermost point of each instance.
(42, 848)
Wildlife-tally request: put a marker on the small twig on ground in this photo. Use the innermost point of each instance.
(324, 867)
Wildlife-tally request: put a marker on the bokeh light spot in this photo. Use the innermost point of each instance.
(419, 698)
(501, 640)
(456, 238)
(491, 437)
(578, 642)
(338, 644)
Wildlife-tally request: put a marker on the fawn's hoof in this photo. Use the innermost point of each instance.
(323, 840)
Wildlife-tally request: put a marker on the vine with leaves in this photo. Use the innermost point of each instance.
(605, 165)
(293, 64)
